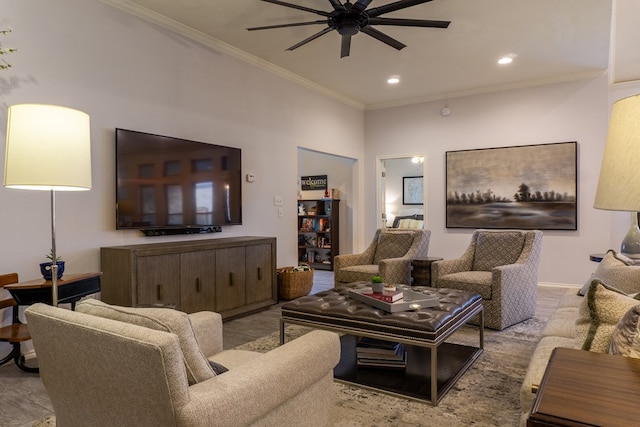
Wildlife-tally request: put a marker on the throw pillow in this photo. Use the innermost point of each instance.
(393, 244)
(396, 220)
(161, 319)
(625, 340)
(410, 223)
(598, 315)
(217, 368)
(618, 271)
(494, 249)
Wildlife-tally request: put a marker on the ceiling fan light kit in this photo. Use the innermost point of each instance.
(349, 19)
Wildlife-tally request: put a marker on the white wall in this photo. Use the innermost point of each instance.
(125, 72)
(575, 111)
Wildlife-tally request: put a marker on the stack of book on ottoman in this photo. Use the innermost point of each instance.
(374, 353)
(394, 301)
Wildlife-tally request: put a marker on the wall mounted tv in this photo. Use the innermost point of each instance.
(167, 185)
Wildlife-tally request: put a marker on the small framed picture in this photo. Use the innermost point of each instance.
(412, 190)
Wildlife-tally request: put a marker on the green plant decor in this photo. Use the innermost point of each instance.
(49, 256)
(376, 279)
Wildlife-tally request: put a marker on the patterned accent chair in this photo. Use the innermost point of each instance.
(502, 266)
(389, 255)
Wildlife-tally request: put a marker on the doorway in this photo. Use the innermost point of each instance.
(397, 177)
(340, 176)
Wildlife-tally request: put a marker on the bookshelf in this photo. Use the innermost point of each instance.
(318, 232)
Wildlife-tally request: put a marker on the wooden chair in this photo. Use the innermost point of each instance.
(17, 332)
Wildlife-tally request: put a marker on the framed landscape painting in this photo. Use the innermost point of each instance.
(525, 187)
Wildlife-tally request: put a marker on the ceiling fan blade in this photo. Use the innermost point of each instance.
(295, 24)
(391, 7)
(345, 49)
(313, 37)
(337, 5)
(360, 5)
(383, 38)
(295, 6)
(409, 22)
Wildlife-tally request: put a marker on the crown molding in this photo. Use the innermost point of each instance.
(220, 46)
(486, 89)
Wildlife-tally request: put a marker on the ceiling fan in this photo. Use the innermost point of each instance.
(350, 18)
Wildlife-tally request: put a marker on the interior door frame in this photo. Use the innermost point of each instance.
(381, 186)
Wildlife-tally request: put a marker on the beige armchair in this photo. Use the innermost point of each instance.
(389, 255)
(502, 266)
(104, 372)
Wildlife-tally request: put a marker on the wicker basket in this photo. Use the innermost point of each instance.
(293, 283)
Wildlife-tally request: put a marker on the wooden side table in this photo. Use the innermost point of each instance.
(583, 388)
(421, 270)
(71, 288)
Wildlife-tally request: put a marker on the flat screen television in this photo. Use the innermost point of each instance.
(166, 184)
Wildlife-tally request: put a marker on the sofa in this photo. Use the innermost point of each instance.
(602, 316)
(106, 365)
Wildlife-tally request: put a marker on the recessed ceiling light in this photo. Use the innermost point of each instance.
(393, 80)
(507, 59)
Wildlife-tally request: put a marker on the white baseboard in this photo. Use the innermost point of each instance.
(559, 285)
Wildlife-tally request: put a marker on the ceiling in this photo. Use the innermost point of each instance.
(550, 41)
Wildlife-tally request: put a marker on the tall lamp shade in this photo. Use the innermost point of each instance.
(619, 182)
(48, 148)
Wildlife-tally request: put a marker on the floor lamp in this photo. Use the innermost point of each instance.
(619, 183)
(48, 148)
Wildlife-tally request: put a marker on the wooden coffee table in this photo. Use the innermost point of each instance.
(433, 365)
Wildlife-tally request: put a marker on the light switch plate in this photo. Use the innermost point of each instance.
(277, 200)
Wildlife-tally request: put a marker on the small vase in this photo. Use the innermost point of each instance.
(45, 269)
(377, 287)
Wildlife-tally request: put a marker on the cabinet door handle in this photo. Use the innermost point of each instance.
(259, 273)
(159, 292)
(231, 278)
(198, 287)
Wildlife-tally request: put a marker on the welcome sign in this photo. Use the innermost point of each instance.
(316, 182)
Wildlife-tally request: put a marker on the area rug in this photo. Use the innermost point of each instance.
(486, 395)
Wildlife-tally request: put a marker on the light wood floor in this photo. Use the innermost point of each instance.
(23, 398)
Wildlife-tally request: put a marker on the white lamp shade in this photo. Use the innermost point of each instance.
(619, 183)
(48, 148)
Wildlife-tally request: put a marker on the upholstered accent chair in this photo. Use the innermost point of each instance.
(389, 255)
(500, 265)
(161, 367)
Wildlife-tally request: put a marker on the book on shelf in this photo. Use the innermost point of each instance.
(321, 224)
(395, 357)
(383, 364)
(386, 296)
(307, 224)
(376, 346)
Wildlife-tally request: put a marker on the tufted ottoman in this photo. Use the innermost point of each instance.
(433, 365)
